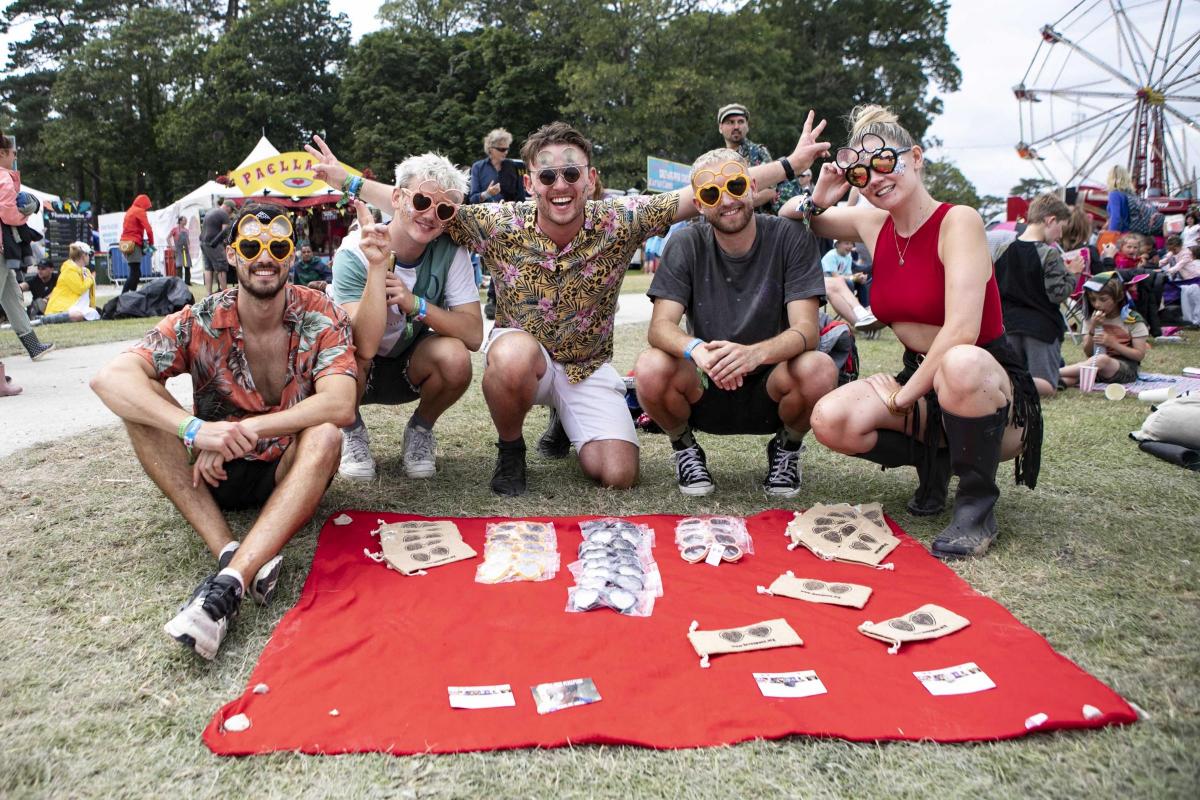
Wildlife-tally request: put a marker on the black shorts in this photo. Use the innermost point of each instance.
(248, 484)
(748, 410)
(388, 383)
(214, 258)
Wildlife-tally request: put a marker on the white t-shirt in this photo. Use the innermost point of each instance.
(350, 278)
(1191, 236)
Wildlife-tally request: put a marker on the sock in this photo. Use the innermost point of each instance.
(358, 422)
(790, 439)
(417, 421)
(516, 444)
(235, 574)
(682, 438)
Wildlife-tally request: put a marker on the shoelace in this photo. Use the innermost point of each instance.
(220, 598)
(358, 446)
(783, 467)
(421, 444)
(690, 466)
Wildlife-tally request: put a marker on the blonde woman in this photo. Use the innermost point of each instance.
(964, 400)
(74, 295)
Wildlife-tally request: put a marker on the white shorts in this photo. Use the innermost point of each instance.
(591, 410)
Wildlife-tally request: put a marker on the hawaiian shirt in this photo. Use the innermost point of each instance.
(206, 341)
(566, 299)
(756, 154)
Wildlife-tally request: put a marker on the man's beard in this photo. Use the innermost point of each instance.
(735, 224)
(259, 293)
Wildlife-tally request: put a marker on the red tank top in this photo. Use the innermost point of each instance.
(916, 292)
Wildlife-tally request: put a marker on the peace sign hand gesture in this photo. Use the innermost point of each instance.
(327, 167)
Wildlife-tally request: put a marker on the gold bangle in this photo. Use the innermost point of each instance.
(894, 409)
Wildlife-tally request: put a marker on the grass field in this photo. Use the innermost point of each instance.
(95, 701)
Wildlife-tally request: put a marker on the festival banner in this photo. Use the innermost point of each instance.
(287, 174)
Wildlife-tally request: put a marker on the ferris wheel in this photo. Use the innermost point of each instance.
(1116, 83)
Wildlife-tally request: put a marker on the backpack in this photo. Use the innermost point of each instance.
(1142, 216)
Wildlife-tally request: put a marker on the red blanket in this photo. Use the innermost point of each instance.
(379, 649)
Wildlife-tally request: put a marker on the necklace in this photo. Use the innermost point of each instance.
(896, 237)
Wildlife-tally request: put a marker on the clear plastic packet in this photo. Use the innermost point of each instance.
(519, 551)
(616, 568)
(713, 539)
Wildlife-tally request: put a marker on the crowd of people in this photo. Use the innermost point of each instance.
(283, 361)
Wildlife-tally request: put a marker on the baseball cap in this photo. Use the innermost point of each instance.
(729, 110)
(84, 246)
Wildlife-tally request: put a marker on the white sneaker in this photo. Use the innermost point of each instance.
(419, 452)
(357, 463)
(867, 321)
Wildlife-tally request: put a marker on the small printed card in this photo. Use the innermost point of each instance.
(556, 696)
(964, 679)
(498, 696)
(804, 683)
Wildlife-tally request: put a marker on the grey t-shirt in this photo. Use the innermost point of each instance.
(214, 222)
(744, 298)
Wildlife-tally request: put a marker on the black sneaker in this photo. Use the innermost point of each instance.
(262, 588)
(783, 470)
(691, 471)
(554, 442)
(203, 620)
(509, 476)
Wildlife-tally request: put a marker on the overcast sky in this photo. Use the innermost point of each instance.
(995, 43)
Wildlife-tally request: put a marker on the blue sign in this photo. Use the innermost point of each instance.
(666, 176)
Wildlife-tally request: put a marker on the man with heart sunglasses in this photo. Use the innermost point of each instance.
(416, 318)
(750, 285)
(558, 262)
(273, 376)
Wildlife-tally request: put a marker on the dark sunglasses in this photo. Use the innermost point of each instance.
(444, 212)
(548, 175)
(874, 155)
(501, 149)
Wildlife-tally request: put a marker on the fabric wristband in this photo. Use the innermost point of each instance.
(692, 345)
(189, 435)
(422, 309)
(787, 169)
(183, 426)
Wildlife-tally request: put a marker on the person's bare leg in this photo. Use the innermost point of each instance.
(165, 460)
(510, 380)
(304, 472)
(798, 384)
(842, 299)
(613, 463)
(666, 388)
(441, 366)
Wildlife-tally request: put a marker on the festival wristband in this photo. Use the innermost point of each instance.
(189, 435)
(422, 309)
(787, 169)
(692, 345)
(183, 426)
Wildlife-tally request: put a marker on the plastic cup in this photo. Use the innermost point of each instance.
(1114, 391)
(1157, 395)
(1087, 377)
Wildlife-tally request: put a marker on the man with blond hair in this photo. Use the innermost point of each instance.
(750, 285)
(416, 319)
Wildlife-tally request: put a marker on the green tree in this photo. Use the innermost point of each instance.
(947, 184)
(1030, 188)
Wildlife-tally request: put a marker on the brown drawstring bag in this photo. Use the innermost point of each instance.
(813, 590)
(413, 547)
(927, 622)
(759, 636)
(853, 534)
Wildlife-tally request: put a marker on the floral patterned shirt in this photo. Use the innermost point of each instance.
(566, 299)
(756, 154)
(206, 341)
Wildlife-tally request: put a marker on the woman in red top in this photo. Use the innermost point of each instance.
(136, 230)
(964, 400)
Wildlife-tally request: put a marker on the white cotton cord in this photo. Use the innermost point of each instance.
(888, 565)
(765, 590)
(704, 662)
(376, 557)
(895, 648)
(790, 574)
(793, 545)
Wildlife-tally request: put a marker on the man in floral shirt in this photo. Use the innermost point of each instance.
(273, 378)
(558, 261)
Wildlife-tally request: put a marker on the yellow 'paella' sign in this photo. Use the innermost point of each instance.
(287, 174)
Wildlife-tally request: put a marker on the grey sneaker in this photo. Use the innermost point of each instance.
(357, 462)
(419, 452)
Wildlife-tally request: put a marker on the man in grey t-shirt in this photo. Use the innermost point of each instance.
(750, 285)
(213, 238)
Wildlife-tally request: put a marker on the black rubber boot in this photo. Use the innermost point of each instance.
(554, 442)
(974, 456)
(894, 449)
(34, 347)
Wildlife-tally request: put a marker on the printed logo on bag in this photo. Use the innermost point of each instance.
(759, 636)
(813, 590)
(856, 534)
(927, 622)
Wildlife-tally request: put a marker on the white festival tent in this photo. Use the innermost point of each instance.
(45, 198)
